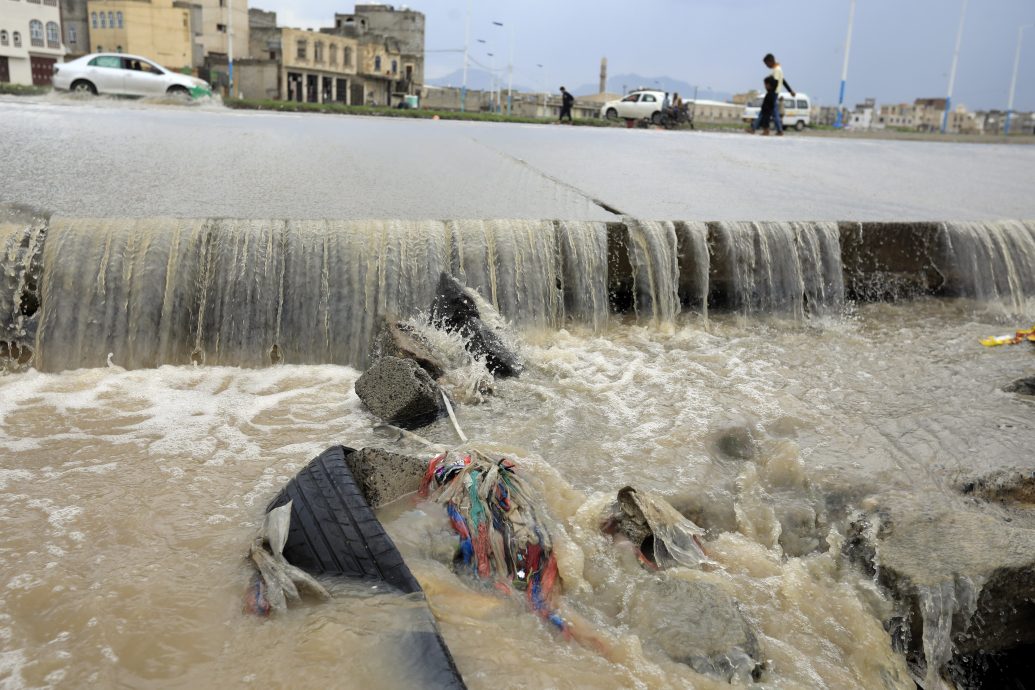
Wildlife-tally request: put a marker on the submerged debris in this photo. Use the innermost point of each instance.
(275, 581)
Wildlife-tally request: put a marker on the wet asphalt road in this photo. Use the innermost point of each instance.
(125, 158)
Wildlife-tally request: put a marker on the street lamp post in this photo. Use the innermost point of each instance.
(230, 46)
(952, 72)
(839, 123)
(492, 80)
(467, 43)
(1013, 81)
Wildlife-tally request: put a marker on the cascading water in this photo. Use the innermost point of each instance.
(694, 263)
(655, 269)
(21, 243)
(792, 269)
(991, 262)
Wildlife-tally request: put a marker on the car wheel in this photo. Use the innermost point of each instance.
(611, 114)
(178, 91)
(656, 117)
(83, 86)
(799, 125)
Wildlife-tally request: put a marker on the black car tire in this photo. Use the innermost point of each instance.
(656, 117)
(611, 114)
(799, 125)
(83, 86)
(178, 91)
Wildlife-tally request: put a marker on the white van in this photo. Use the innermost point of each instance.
(795, 110)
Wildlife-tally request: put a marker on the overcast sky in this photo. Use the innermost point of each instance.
(901, 49)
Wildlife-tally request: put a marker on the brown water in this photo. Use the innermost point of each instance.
(129, 498)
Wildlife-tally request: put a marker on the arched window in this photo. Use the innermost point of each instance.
(53, 37)
(334, 54)
(395, 67)
(3, 38)
(104, 21)
(17, 36)
(347, 57)
(93, 19)
(36, 32)
(111, 20)
(118, 16)
(377, 63)
(318, 51)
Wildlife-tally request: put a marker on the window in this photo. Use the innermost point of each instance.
(395, 67)
(118, 17)
(318, 51)
(36, 32)
(17, 36)
(377, 63)
(302, 45)
(104, 22)
(631, 98)
(93, 19)
(346, 58)
(71, 34)
(3, 38)
(53, 36)
(106, 61)
(221, 28)
(648, 98)
(334, 54)
(111, 20)
(52, 3)
(803, 103)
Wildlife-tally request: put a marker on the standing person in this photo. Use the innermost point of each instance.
(567, 100)
(766, 114)
(777, 74)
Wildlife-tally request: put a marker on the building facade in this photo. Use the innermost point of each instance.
(76, 28)
(394, 35)
(159, 30)
(213, 24)
(30, 41)
(319, 68)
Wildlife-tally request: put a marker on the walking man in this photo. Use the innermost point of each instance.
(777, 74)
(567, 100)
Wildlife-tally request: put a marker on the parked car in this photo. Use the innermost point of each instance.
(795, 110)
(642, 103)
(125, 75)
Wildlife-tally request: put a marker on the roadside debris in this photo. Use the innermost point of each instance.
(1015, 339)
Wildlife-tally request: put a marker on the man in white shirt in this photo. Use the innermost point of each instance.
(777, 74)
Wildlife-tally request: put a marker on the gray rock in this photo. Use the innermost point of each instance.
(384, 476)
(696, 623)
(962, 576)
(1015, 487)
(401, 393)
(456, 310)
(396, 339)
(1025, 386)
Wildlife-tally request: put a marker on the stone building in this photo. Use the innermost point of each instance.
(75, 22)
(319, 68)
(159, 30)
(392, 47)
(30, 41)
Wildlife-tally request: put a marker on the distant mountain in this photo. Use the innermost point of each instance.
(477, 79)
(616, 82)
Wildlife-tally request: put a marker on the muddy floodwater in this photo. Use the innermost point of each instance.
(128, 499)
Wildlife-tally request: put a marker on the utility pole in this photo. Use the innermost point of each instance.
(1013, 81)
(467, 44)
(952, 72)
(839, 123)
(230, 46)
(510, 71)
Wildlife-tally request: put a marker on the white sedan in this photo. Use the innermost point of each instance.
(125, 75)
(636, 105)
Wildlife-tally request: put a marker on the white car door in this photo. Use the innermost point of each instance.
(648, 105)
(627, 106)
(143, 78)
(105, 71)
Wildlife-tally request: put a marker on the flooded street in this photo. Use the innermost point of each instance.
(129, 498)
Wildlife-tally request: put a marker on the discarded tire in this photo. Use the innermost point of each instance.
(334, 532)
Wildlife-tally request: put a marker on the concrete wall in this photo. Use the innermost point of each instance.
(216, 40)
(15, 18)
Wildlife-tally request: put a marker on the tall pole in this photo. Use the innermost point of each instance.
(952, 72)
(467, 45)
(230, 46)
(510, 71)
(1013, 81)
(844, 68)
(492, 81)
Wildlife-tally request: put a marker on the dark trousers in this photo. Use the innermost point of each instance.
(565, 110)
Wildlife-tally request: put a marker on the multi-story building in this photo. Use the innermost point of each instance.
(30, 41)
(392, 43)
(75, 22)
(157, 29)
(319, 68)
(212, 26)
